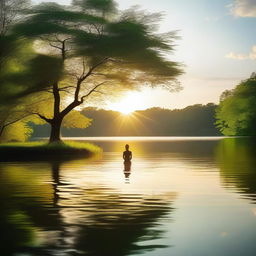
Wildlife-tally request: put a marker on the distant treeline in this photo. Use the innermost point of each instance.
(195, 120)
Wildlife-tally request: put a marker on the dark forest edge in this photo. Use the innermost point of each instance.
(41, 151)
(196, 120)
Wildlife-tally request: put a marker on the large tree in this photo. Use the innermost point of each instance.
(102, 51)
(22, 76)
(236, 113)
(23, 72)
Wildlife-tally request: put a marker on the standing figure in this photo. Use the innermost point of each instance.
(127, 156)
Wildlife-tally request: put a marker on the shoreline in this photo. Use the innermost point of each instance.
(41, 151)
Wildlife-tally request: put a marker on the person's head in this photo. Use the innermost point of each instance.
(127, 147)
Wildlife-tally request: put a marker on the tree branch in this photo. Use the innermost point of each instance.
(76, 102)
(55, 46)
(16, 120)
(91, 91)
(67, 87)
(42, 117)
(84, 76)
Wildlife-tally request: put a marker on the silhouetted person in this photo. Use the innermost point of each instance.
(127, 154)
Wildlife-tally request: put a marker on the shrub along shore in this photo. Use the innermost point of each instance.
(41, 151)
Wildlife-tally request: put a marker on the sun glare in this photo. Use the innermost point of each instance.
(131, 102)
(126, 111)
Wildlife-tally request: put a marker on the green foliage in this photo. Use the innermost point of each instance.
(38, 144)
(141, 58)
(38, 74)
(19, 131)
(103, 6)
(8, 47)
(15, 54)
(126, 41)
(76, 120)
(236, 113)
(83, 50)
(14, 118)
(23, 72)
(47, 151)
(51, 18)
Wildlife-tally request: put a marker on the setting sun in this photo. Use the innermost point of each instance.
(131, 102)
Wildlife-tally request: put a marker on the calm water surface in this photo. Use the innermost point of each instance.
(183, 197)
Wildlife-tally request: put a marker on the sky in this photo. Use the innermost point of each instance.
(217, 47)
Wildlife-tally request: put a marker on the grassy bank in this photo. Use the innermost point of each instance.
(37, 151)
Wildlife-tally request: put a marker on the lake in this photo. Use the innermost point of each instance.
(182, 197)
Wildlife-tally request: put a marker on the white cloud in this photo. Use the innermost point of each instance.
(239, 56)
(244, 8)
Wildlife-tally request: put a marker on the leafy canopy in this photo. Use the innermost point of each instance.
(125, 42)
(236, 113)
(90, 49)
(102, 6)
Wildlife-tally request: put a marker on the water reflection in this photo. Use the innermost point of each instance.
(23, 207)
(67, 218)
(181, 198)
(127, 170)
(197, 146)
(237, 161)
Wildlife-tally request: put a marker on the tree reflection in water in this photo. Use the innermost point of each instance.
(237, 161)
(81, 220)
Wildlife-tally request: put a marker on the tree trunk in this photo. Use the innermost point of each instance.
(55, 131)
(57, 120)
(1, 130)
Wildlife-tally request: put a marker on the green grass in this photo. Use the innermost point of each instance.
(30, 151)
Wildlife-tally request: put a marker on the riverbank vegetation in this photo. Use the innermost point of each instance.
(41, 151)
(236, 113)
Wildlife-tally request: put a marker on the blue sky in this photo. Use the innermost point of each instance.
(216, 44)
